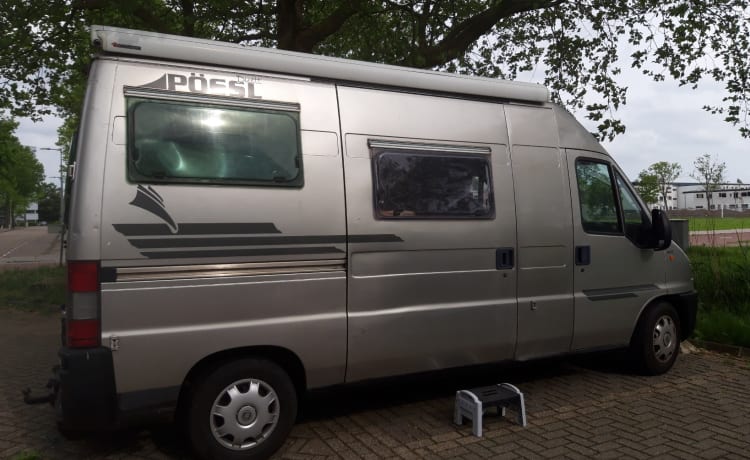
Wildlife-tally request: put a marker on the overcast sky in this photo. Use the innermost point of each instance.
(664, 123)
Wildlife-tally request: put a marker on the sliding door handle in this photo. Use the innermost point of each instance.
(583, 255)
(504, 258)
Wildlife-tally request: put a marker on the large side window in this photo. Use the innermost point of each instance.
(636, 220)
(597, 197)
(189, 142)
(432, 185)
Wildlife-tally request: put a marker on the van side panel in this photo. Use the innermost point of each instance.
(434, 297)
(246, 266)
(545, 236)
(84, 233)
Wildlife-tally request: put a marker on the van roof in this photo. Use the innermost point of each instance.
(179, 48)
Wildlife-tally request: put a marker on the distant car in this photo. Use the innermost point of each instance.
(42, 222)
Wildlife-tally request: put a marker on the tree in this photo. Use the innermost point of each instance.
(648, 187)
(710, 173)
(575, 47)
(21, 174)
(49, 203)
(665, 173)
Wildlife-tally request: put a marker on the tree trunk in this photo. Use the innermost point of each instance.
(9, 213)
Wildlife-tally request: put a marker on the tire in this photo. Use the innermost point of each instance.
(243, 409)
(656, 340)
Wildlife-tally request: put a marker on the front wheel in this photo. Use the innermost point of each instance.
(244, 409)
(656, 341)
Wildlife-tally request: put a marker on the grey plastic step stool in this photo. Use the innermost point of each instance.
(472, 403)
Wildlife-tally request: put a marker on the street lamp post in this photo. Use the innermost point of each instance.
(62, 199)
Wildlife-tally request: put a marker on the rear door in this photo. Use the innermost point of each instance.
(614, 278)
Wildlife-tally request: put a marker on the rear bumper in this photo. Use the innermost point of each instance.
(86, 395)
(688, 313)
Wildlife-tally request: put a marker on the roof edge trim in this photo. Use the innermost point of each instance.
(197, 50)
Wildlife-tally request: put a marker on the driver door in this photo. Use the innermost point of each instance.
(614, 278)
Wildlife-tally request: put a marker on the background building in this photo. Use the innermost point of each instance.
(691, 195)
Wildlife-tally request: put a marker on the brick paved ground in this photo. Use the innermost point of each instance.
(576, 409)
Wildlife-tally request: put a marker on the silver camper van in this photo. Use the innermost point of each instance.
(247, 224)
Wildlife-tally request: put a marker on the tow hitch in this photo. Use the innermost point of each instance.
(52, 385)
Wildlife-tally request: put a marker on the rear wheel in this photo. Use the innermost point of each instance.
(656, 341)
(244, 409)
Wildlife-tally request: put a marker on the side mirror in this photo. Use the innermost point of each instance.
(661, 230)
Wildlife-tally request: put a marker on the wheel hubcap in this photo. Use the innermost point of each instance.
(247, 415)
(665, 339)
(244, 414)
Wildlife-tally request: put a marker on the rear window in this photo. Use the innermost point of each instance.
(181, 142)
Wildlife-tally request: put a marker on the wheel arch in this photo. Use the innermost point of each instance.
(287, 359)
(684, 313)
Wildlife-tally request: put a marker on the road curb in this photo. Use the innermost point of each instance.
(733, 350)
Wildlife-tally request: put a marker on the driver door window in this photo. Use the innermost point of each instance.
(597, 198)
(608, 205)
(636, 220)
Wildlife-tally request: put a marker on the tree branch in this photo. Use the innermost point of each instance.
(188, 17)
(465, 33)
(293, 35)
(148, 16)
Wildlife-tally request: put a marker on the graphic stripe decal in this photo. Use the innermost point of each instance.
(196, 229)
(243, 252)
(234, 241)
(164, 243)
(375, 239)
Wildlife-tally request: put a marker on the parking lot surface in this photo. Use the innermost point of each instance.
(577, 408)
(25, 247)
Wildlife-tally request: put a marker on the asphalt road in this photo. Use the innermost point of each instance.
(28, 247)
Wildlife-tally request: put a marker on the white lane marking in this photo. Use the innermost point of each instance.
(7, 253)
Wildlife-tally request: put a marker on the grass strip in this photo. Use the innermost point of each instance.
(40, 289)
(718, 223)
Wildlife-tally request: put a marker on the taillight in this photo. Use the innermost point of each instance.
(83, 277)
(83, 333)
(83, 327)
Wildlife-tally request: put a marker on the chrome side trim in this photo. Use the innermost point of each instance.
(152, 93)
(386, 144)
(234, 325)
(224, 270)
(618, 292)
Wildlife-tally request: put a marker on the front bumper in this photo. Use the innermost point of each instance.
(688, 303)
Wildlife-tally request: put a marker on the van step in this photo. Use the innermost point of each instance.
(472, 403)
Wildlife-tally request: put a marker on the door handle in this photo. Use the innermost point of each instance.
(504, 258)
(583, 255)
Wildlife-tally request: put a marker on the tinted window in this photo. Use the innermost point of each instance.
(188, 143)
(432, 185)
(635, 218)
(597, 198)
